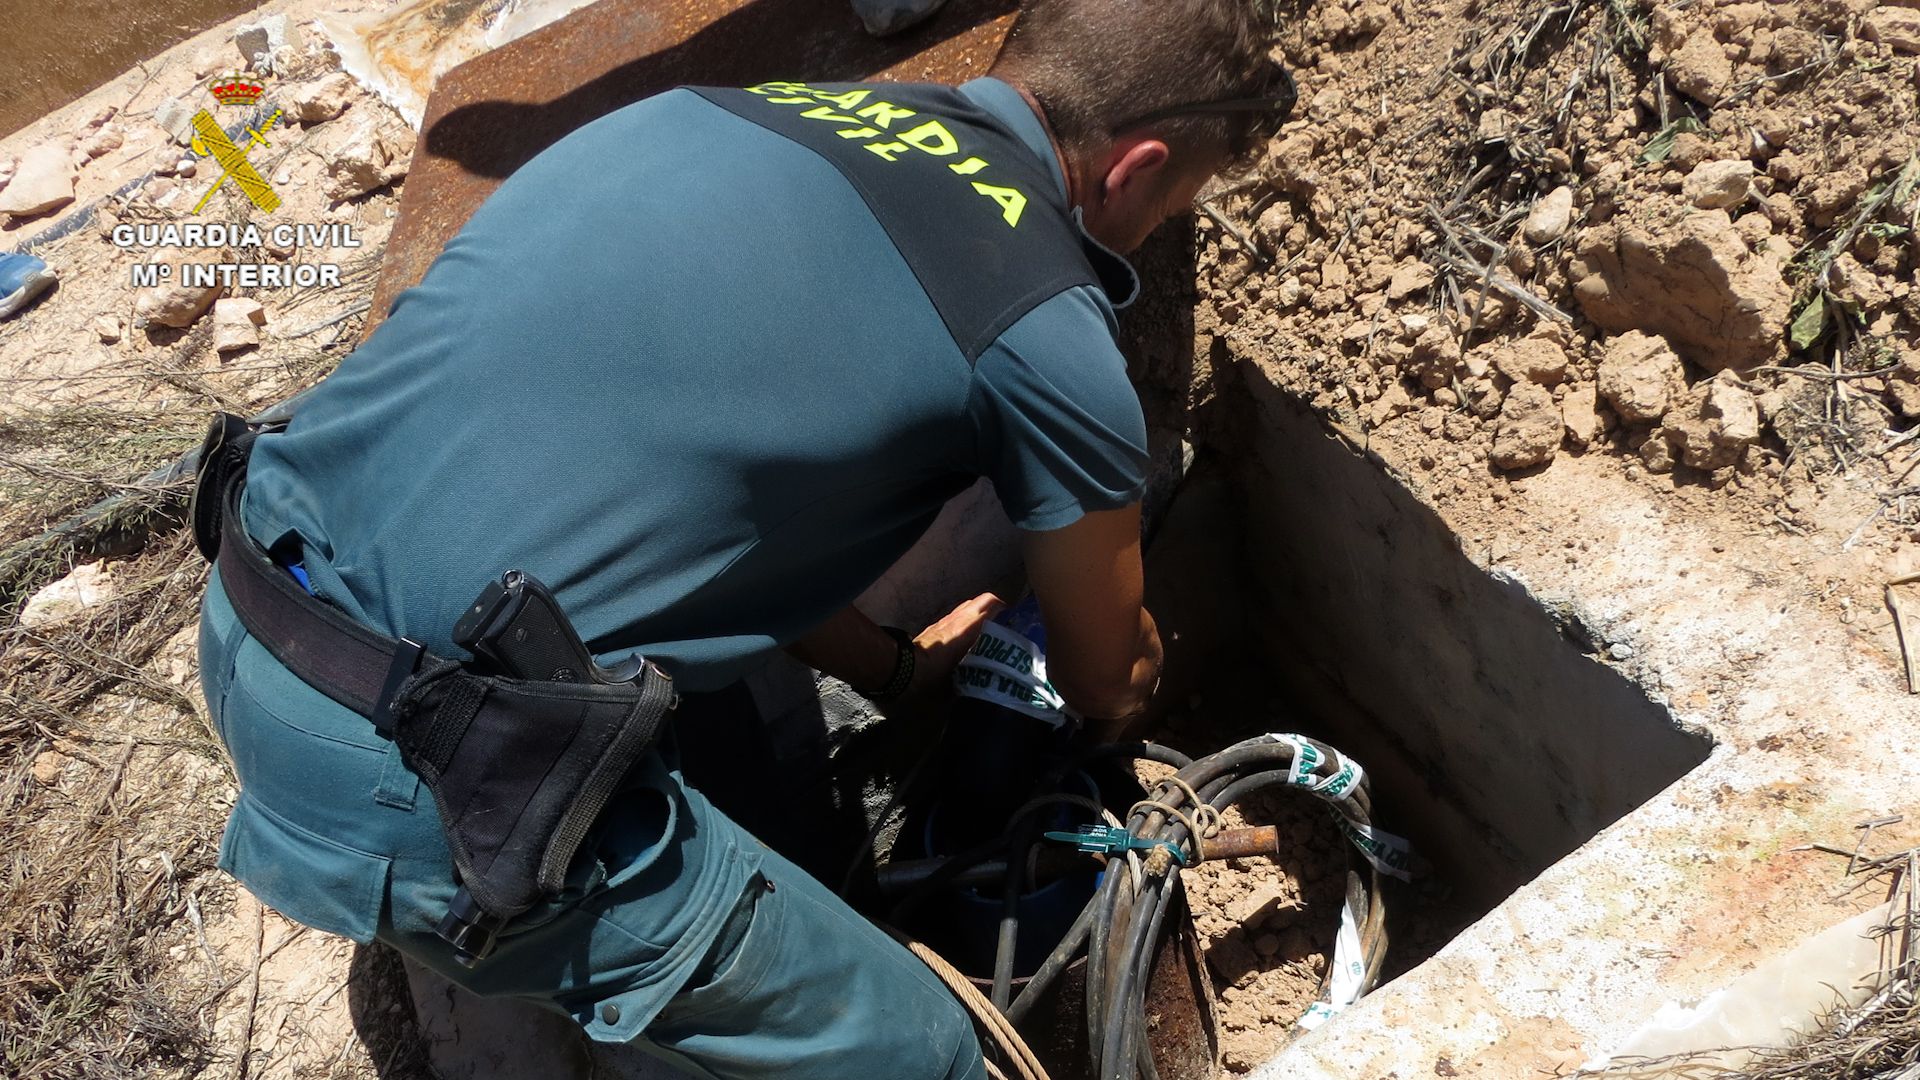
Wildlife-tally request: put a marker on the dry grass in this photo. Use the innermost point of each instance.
(109, 813)
(82, 922)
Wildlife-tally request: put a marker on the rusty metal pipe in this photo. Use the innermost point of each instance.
(1242, 843)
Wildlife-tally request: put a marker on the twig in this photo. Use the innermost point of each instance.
(1900, 628)
(1897, 443)
(1462, 260)
(365, 304)
(1245, 241)
(221, 991)
(1822, 374)
(253, 989)
(1512, 288)
(1860, 529)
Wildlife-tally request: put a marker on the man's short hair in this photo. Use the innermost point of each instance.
(1097, 65)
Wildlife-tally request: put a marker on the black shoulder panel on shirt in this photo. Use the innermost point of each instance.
(977, 218)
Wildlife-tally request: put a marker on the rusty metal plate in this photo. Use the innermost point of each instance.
(491, 114)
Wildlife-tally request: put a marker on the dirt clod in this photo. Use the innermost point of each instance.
(1689, 277)
(1716, 185)
(1640, 376)
(1529, 430)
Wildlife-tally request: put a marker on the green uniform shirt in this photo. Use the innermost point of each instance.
(676, 368)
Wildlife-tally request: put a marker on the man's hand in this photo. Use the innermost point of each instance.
(852, 647)
(943, 645)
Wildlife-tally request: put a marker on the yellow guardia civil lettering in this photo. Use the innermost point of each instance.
(874, 121)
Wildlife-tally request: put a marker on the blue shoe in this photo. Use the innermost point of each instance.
(22, 277)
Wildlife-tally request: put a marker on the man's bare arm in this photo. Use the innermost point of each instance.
(1103, 651)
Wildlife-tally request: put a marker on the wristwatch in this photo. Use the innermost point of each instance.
(902, 676)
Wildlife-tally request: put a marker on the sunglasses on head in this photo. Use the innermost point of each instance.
(1274, 107)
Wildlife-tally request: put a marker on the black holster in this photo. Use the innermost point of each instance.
(519, 768)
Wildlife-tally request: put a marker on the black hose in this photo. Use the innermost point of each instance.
(1057, 960)
(1015, 887)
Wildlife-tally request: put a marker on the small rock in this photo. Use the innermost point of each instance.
(42, 182)
(1434, 356)
(1700, 68)
(108, 329)
(1550, 217)
(1392, 402)
(1529, 429)
(258, 41)
(1898, 28)
(172, 304)
(320, 100)
(1291, 162)
(1690, 150)
(1580, 413)
(1334, 273)
(1639, 376)
(175, 117)
(187, 168)
(103, 142)
(1718, 184)
(1718, 420)
(1232, 958)
(1535, 359)
(89, 585)
(160, 192)
(370, 159)
(1477, 362)
(1408, 278)
(1249, 909)
(48, 764)
(236, 323)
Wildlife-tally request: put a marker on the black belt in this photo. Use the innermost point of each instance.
(355, 666)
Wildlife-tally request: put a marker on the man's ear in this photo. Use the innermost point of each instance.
(1132, 167)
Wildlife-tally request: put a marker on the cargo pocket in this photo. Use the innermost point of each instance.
(739, 975)
(303, 875)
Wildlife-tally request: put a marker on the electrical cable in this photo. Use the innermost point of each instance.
(1121, 926)
(1180, 811)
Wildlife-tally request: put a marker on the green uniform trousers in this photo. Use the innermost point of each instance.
(677, 928)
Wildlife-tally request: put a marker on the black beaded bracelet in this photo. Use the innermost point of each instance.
(902, 676)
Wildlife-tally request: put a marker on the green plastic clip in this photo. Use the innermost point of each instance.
(1110, 840)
